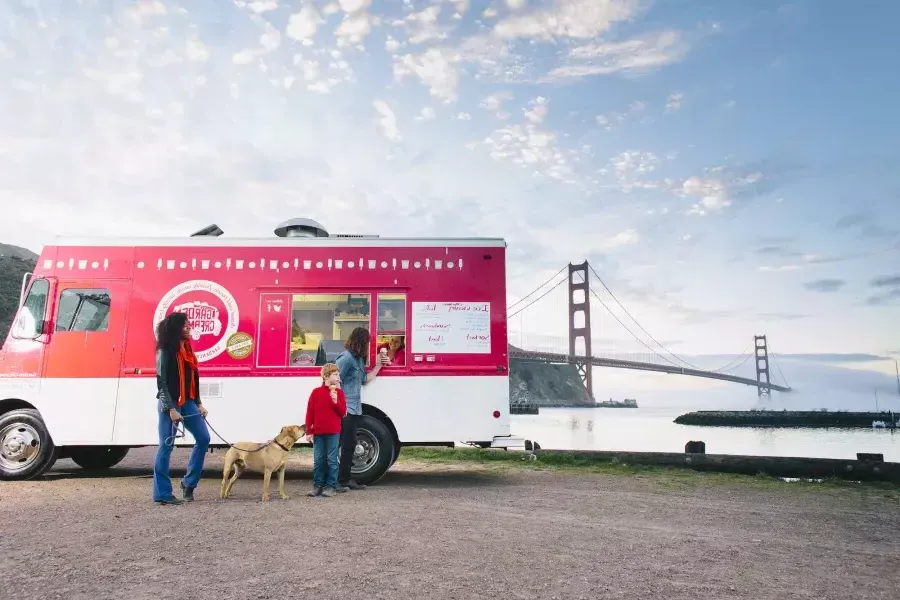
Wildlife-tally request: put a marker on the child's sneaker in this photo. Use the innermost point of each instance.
(328, 493)
(316, 491)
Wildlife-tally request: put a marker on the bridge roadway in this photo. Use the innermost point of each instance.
(555, 358)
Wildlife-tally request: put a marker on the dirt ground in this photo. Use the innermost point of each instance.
(439, 531)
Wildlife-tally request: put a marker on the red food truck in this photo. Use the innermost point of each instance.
(77, 375)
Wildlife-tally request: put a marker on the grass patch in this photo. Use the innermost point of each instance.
(665, 476)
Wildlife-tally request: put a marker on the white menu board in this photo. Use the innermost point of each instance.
(451, 327)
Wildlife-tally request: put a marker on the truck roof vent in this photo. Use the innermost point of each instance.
(208, 231)
(301, 228)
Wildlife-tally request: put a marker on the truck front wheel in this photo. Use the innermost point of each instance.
(374, 451)
(26, 448)
(95, 458)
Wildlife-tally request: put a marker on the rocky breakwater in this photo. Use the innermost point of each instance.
(787, 418)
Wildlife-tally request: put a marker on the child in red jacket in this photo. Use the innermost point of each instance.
(324, 411)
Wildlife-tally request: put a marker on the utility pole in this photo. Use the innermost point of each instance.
(897, 370)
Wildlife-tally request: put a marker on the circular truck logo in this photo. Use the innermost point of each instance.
(239, 345)
(211, 311)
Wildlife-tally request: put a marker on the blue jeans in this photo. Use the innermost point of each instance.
(325, 460)
(194, 423)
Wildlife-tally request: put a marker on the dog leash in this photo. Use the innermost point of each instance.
(170, 441)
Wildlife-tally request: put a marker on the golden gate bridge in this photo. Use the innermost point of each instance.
(657, 358)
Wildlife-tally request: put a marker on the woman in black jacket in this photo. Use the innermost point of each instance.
(178, 395)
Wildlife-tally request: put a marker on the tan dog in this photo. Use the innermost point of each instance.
(262, 458)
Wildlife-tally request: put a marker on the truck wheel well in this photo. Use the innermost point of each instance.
(11, 404)
(381, 416)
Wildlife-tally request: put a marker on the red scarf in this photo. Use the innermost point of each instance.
(186, 356)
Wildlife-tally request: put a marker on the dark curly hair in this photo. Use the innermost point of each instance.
(358, 342)
(169, 332)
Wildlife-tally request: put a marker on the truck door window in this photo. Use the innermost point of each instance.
(321, 323)
(31, 315)
(391, 327)
(83, 310)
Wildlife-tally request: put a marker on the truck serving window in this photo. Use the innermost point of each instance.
(32, 312)
(324, 320)
(83, 310)
(391, 327)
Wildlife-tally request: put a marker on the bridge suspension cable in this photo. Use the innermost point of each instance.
(535, 290)
(778, 366)
(730, 366)
(675, 356)
(593, 293)
(558, 283)
(672, 354)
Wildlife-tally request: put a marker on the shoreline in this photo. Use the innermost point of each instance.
(727, 466)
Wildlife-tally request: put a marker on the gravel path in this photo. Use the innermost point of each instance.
(429, 531)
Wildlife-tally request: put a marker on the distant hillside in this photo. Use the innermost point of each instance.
(10, 250)
(546, 385)
(13, 267)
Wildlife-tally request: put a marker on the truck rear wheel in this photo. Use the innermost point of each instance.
(374, 450)
(95, 458)
(26, 448)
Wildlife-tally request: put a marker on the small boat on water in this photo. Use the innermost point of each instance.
(626, 403)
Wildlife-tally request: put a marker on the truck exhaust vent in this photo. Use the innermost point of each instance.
(208, 231)
(306, 228)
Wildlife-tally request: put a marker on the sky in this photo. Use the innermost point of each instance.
(727, 168)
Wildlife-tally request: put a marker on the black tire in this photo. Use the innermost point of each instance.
(96, 458)
(375, 450)
(396, 453)
(26, 448)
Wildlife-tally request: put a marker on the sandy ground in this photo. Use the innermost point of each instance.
(430, 531)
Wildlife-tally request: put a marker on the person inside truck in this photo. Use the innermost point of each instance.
(352, 365)
(394, 346)
(178, 399)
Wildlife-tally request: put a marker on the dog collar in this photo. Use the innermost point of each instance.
(277, 443)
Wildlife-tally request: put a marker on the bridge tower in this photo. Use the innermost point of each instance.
(579, 281)
(762, 366)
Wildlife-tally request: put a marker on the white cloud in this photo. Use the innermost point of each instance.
(713, 195)
(354, 28)
(530, 146)
(146, 9)
(581, 19)
(391, 45)
(302, 25)
(623, 238)
(637, 55)
(613, 118)
(494, 103)
(196, 51)
(262, 6)
(631, 168)
(516, 4)
(673, 103)
(353, 6)
(423, 26)
(463, 116)
(426, 114)
(434, 67)
(387, 121)
(538, 111)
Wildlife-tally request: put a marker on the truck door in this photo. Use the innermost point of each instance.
(84, 358)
